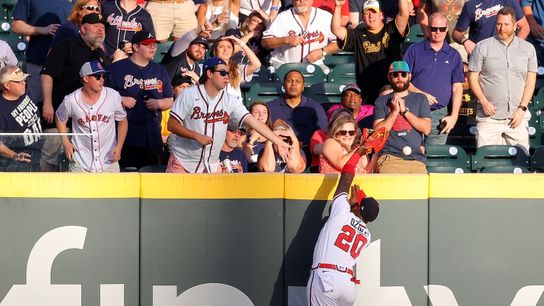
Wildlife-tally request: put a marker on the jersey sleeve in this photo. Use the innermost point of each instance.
(237, 110)
(64, 111)
(22, 11)
(276, 28)
(517, 8)
(340, 205)
(458, 75)
(167, 90)
(463, 21)
(180, 107)
(119, 111)
(349, 42)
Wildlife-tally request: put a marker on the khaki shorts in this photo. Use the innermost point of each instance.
(172, 19)
(497, 132)
(393, 164)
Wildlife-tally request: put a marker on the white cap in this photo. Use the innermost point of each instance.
(372, 4)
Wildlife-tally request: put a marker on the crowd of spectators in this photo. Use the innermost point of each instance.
(89, 70)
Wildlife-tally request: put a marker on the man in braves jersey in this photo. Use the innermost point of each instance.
(299, 35)
(199, 120)
(375, 45)
(94, 109)
(18, 114)
(124, 18)
(146, 91)
(344, 235)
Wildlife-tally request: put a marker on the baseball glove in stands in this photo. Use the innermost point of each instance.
(374, 140)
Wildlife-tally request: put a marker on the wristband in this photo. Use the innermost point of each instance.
(463, 41)
(275, 8)
(349, 167)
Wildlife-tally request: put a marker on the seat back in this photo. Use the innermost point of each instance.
(447, 159)
(537, 160)
(263, 92)
(499, 155)
(312, 73)
(162, 49)
(342, 74)
(338, 58)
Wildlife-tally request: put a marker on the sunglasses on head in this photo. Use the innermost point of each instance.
(396, 74)
(97, 77)
(441, 29)
(92, 8)
(287, 139)
(345, 132)
(223, 73)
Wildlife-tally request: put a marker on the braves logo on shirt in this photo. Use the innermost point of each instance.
(128, 25)
(145, 84)
(212, 117)
(97, 117)
(488, 12)
(309, 37)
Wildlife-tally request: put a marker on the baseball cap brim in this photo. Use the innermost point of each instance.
(149, 41)
(15, 76)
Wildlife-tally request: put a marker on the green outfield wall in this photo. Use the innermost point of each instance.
(241, 240)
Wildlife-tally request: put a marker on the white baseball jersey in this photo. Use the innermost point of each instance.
(343, 236)
(317, 34)
(208, 116)
(93, 152)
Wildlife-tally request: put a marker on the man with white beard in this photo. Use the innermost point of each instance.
(60, 76)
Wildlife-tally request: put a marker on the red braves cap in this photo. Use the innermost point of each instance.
(143, 38)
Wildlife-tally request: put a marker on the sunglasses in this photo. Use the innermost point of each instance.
(396, 74)
(223, 73)
(97, 77)
(345, 132)
(287, 139)
(91, 8)
(437, 29)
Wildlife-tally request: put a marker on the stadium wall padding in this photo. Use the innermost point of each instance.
(237, 240)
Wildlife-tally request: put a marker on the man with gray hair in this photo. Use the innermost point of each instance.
(18, 114)
(60, 76)
(502, 76)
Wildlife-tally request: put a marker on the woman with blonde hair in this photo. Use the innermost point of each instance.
(222, 13)
(70, 28)
(224, 48)
(344, 135)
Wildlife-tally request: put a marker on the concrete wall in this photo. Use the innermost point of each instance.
(224, 240)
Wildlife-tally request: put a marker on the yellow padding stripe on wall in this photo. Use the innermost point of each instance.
(379, 186)
(487, 186)
(69, 185)
(212, 186)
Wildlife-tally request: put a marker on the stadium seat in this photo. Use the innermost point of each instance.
(415, 35)
(327, 94)
(342, 74)
(538, 100)
(338, 58)
(505, 169)
(499, 156)
(153, 169)
(263, 92)
(537, 160)
(535, 129)
(162, 48)
(312, 73)
(447, 159)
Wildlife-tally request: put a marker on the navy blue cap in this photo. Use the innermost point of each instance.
(212, 62)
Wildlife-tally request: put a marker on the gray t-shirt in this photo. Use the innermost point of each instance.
(503, 72)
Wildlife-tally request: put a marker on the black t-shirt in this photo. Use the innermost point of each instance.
(20, 116)
(374, 52)
(237, 161)
(63, 64)
(177, 65)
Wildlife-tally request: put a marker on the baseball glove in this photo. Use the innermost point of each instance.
(374, 140)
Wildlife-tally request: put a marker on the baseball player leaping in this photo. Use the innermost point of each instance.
(332, 280)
